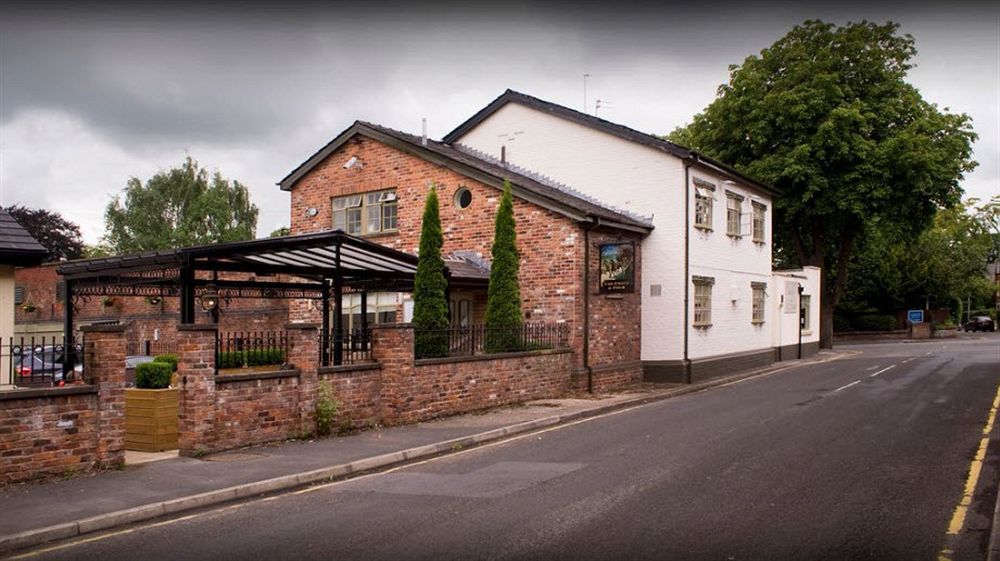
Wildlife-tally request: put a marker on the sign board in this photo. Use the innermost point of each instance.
(617, 268)
(915, 316)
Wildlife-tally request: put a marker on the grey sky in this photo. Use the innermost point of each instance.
(90, 97)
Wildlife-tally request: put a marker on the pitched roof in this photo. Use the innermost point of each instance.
(596, 123)
(17, 247)
(524, 185)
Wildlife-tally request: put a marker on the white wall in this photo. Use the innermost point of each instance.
(622, 174)
(784, 286)
(6, 320)
(734, 263)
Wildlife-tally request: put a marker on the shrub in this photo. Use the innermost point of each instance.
(326, 409)
(265, 356)
(874, 322)
(170, 359)
(430, 308)
(503, 302)
(840, 324)
(230, 359)
(153, 375)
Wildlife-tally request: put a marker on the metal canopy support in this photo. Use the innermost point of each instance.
(69, 357)
(364, 312)
(324, 334)
(338, 327)
(187, 295)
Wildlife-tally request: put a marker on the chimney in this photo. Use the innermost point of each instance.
(423, 136)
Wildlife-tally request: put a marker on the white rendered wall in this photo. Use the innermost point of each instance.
(622, 174)
(786, 331)
(734, 263)
(6, 319)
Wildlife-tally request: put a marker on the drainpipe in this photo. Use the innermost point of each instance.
(586, 307)
(687, 268)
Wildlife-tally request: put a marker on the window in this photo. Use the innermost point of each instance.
(758, 222)
(804, 311)
(704, 194)
(18, 295)
(733, 214)
(759, 294)
(381, 309)
(702, 301)
(463, 198)
(369, 213)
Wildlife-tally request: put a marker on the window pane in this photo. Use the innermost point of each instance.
(339, 220)
(389, 216)
(387, 317)
(353, 201)
(374, 223)
(373, 198)
(339, 203)
(354, 221)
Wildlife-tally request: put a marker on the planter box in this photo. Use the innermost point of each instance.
(151, 419)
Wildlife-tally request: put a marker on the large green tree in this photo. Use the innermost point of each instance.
(60, 236)
(826, 116)
(180, 207)
(503, 299)
(430, 303)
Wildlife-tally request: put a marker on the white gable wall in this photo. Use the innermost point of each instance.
(617, 172)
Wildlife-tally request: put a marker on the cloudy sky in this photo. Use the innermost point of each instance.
(92, 96)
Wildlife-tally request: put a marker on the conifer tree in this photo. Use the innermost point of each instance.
(503, 303)
(430, 306)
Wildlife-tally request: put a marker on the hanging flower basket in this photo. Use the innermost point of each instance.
(29, 308)
(108, 301)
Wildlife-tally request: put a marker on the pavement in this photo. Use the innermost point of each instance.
(39, 512)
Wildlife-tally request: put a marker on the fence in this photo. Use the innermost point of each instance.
(355, 347)
(39, 362)
(482, 339)
(250, 349)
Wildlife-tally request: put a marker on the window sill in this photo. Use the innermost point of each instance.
(703, 227)
(377, 234)
(735, 236)
(701, 325)
(758, 323)
(807, 333)
(759, 242)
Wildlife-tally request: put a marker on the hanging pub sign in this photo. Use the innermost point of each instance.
(617, 268)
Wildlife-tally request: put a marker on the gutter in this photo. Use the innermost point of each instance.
(586, 305)
(687, 268)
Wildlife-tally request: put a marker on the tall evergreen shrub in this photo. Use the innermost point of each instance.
(430, 307)
(503, 303)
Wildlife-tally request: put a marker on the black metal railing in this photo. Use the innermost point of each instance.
(150, 348)
(39, 362)
(248, 349)
(476, 340)
(355, 347)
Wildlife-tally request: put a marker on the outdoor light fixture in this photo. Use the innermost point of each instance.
(209, 299)
(311, 212)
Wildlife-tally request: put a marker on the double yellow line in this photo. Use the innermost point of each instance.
(975, 469)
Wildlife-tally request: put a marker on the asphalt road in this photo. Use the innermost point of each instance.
(865, 457)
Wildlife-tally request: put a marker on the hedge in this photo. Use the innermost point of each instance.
(255, 357)
(153, 375)
(170, 359)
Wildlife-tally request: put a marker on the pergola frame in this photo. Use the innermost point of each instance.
(322, 261)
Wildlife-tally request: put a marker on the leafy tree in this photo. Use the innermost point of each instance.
(280, 232)
(944, 266)
(180, 207)
(826, 116)
(503, 301)
(60, 236)
(430, 305)
(97, 250)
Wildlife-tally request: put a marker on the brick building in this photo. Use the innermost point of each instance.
(372, 182)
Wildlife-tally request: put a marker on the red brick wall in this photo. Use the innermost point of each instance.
(32, 444)
(358, 392)
(551, 245)
(255, 411)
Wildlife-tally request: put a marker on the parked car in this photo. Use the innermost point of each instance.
(980, 323)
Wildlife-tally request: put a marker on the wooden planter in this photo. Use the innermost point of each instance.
(151, 419)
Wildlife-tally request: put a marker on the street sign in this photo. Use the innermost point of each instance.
(915, 316)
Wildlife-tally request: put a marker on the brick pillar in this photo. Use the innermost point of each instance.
(392, 348)
(104, 367)
(303, 354)
(196, 372)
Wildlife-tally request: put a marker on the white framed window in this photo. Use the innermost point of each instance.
(381, 308)
(369, 213)
(702, 301)
(734, 213)
(758, 222)
(758, 302)
(804, 302)
(704, 195)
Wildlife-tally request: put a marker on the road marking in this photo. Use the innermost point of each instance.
(872, 367)
(881, 371)
(908, 360)
(975, 469)
(847, 386)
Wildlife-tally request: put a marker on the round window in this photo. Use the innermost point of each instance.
(463, 197)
